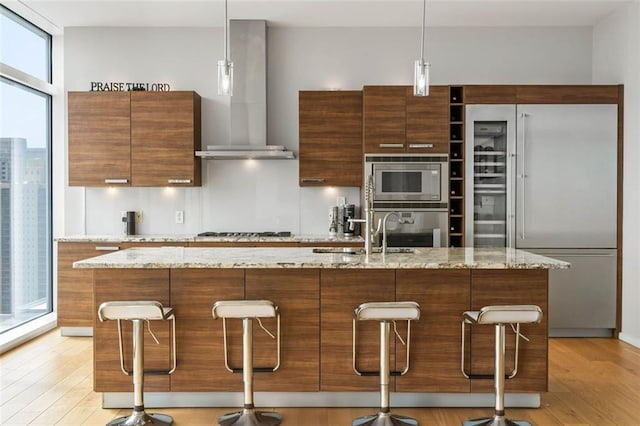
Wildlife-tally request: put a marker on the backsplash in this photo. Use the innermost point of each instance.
(236, 195)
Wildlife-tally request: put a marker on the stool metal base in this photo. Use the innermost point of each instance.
(141, 418)
(250, 417)
(384, 419)
(495, 421)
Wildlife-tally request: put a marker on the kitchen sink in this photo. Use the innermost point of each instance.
(357, 250)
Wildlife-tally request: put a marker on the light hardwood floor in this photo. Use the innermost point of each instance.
(592, 382)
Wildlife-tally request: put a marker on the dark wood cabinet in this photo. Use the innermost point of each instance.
(296, 292)
(395, 121)
(490, 94)
(330, 126)
(384, 119)
(435, 339)
(130, 284)
(165, 133)
(511, 287)
(134, 138)
(317, 307)
(341, 291)
(75, 286)
(428, 121)
(541, 94)
(99, 138)
(200, 349)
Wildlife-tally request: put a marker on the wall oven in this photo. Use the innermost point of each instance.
(416, 189)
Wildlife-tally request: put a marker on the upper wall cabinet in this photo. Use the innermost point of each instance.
(330, 125)
(541, 94)
(134, 138)
(395, 121)
(99, 138)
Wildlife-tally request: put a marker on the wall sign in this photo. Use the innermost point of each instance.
(111, 86)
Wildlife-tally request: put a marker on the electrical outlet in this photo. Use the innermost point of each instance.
(179, 216)
(138, 217)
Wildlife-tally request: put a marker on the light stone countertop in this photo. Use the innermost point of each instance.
(194, 238)
(235, 257)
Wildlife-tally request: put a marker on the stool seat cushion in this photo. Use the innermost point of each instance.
(506, 314)
(133, 310)
(244, 309)
(388, 311)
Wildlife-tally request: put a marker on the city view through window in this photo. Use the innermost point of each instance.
(25, 174)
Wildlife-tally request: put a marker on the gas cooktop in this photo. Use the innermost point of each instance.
(245, 234)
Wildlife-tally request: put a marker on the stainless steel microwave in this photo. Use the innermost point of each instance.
(409, 178)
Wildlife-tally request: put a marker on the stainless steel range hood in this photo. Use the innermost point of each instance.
(248, 105)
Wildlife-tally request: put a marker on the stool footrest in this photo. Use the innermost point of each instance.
(255, 370)
(157, 372)
(486, 376)
(377, 373)
(152, 373)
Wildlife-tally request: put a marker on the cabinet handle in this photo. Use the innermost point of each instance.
(313, 180)
(420, 145)
(390, 145)
(107, 248)
(178, 181)
(116, 180)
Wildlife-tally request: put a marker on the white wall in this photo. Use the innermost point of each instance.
(616, 59)
(265, 195)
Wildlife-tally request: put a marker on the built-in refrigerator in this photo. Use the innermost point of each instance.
(543, 178)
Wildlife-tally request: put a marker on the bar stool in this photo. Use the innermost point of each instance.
(386, 313)
(247, 310)
(137, 312)
(499, 316)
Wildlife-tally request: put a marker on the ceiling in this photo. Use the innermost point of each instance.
(316, 13)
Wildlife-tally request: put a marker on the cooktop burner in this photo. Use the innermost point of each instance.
(245, 234)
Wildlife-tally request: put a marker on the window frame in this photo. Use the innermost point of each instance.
(32, 84)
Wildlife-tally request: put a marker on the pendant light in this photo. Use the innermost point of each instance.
(225, 66)
(421, 71)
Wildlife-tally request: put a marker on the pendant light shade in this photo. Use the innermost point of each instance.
(421, 78)
(225, 78)
(225, 66)
(421, 70)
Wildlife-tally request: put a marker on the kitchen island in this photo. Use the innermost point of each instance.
(316, 294)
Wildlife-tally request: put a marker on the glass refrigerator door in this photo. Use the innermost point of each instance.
(489, 183)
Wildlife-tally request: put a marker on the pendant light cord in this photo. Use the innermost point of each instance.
(424, 14)
(226, 59)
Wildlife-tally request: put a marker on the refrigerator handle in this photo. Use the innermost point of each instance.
(523, 175)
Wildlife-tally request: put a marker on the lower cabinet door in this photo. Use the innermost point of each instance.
(443, 295)
(511, 287)
(200, 342)
(296, 292)
(341, 291)
(130, 284)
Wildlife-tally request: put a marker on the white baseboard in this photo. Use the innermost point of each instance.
(27, 331)
(632, 340)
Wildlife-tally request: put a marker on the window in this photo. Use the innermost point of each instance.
(24, 46)
(25, 172)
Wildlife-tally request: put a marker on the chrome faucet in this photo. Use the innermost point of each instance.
(384, 227)
(370, 233)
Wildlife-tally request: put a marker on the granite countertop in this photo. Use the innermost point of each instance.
(234, 257)
(195, 238)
